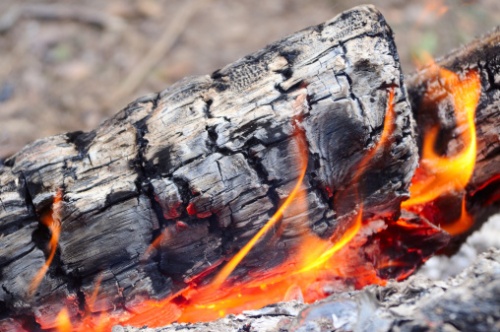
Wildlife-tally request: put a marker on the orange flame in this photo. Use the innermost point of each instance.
(323, 252)
(95, 292)
(165, 234)
(315, 262)
(461, 225)
(53, 221)
(450, 174)
(436, 7)
(312, 261)
(349, 234)
(440, 175)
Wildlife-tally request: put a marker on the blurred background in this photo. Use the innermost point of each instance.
(67, 65)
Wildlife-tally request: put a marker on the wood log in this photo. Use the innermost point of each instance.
(207, 160)
(211, 158)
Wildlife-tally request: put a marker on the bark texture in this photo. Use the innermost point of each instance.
(207, 161)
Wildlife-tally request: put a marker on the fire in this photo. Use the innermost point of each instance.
(432, 10)
(303, 275)
(315, 264)
(52, 221)
(306, 274)
(428, 14)
(464, 223)
(221, 297)
(88, 319)
(435, 7)
(440, 175)
(316, 260)
(156, 242)
(322, 256)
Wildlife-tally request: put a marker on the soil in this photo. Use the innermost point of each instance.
(66, 65)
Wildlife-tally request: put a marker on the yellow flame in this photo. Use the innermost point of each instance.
(450, 174)
(317, 261)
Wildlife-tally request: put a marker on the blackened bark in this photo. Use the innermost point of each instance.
(208, 161)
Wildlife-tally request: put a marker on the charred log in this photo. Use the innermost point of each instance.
(174, 185)
(206, 161)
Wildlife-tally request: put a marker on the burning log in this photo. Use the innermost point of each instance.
(163, 194)
(278, 176)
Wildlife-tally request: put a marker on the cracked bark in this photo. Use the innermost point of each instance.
(205, 163)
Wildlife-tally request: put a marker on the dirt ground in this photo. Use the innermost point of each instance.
(66, 65)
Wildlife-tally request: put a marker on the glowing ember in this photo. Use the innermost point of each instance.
(490, 188)
(52, 221)
(439, 175)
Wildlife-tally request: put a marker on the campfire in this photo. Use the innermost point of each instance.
(307, 169)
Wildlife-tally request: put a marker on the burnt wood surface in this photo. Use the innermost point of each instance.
(209, 160)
